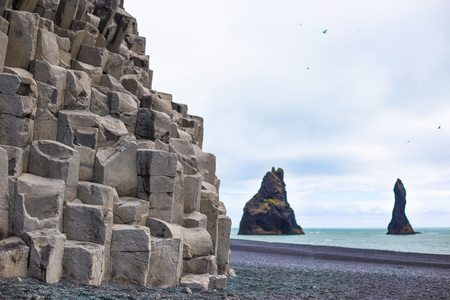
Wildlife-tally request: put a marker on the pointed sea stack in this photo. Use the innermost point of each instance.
(268, 212)
(399, 223)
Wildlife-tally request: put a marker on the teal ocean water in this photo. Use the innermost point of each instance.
(431, 240)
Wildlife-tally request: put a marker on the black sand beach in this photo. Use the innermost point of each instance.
(283, 271)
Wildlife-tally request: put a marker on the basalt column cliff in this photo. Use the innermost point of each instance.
(101, 177)
(268, 212)
(399, 223)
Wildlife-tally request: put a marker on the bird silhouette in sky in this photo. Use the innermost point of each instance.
(439, 127)
(325, 31)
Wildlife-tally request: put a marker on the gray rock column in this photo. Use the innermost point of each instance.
(110, 130)
(55, 76)
(178, 196)
(49, 103)
(77, 129)
(130, 211)
(67, 10)
(38, 204)
(124, 23)
(116, 166)
(4, 194)
(90, 223)
(156, 182)
(186, 155)
(223, 244)
(95, 56)
(46, 254)
(197, 242)
(47, 47)
(210, 209)
(18, 106)
(192, 188)
(52, 159)
(201, 265)
(105, 10)
(47, 8)
(78, 91)
(152, 125)
(207, 164)
(162, 229)
(166, 262)
(130, 254)
(124, 107)
(3, 48)
(97, 194)
(23, 29)
(83, 262)
(194, 220)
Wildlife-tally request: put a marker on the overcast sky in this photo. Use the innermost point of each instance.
(345, 96)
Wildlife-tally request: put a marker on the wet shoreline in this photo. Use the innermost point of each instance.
(344, 254)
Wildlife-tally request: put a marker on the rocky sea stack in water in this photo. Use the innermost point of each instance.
(399, 223)
(268, 212)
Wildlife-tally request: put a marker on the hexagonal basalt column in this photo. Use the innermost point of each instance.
(166, 262)
(130, 254)
(4, 194)
(83, 262)
(90, 223)
(52, 159)
(156, 182)
(116, 166)
(38, 204)
(46, 254)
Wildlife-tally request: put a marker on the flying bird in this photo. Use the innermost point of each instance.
(439, 127)
(325, 31)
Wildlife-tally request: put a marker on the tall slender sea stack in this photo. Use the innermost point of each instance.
(101, 176)
(268, 212)
(399, 223)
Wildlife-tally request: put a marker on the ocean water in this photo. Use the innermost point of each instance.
(431, 240)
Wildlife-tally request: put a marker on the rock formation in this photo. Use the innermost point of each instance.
(399, 223)
(101, 177)
(268, 212)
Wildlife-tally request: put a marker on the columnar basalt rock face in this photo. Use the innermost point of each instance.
(399, 223)
(101, 177)
(4, 194)
(268, 212)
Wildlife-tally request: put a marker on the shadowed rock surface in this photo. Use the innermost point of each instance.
(268, 212)
(399, 223)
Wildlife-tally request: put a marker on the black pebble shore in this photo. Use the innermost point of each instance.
(282, 271)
